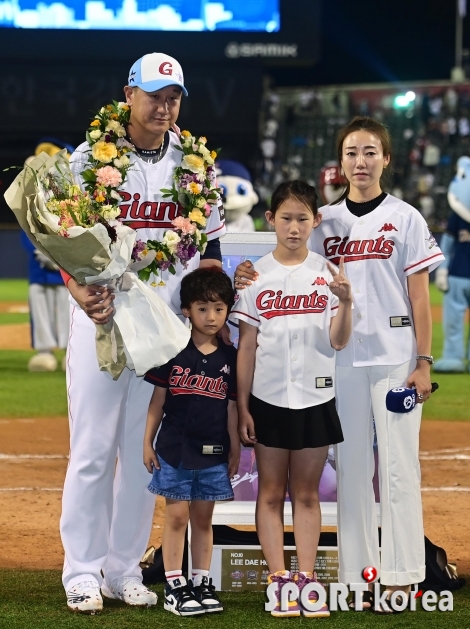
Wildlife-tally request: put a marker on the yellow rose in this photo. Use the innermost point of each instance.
(213, 154)
(95, 135)
(112, 125)
(100, 198)
(104, 152)
(194, 163)
(196, 216)
(209, 160)
(185, 134)
(95, 123)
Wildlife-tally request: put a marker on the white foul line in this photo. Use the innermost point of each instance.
(13, 457)
(445, 488)
(446, 451)
(4, 489)
(445, 457)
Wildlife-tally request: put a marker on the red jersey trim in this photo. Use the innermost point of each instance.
(246, 315)
(180, 391)
(149, 224)
(436, 255)
(65, 276)
(335, 307)
(160, 225)
(160, 382)
(285, 313)
(216, 230)
(355, 258)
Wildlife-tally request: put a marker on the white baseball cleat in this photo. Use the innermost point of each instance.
(85, 598)
(131, 590)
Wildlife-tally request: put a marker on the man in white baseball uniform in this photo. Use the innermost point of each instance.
(107, 509)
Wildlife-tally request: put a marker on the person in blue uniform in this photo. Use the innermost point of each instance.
(453, 278)
(197, 449)
(49, 309)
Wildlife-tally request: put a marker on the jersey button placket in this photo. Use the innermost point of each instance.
(357, 277)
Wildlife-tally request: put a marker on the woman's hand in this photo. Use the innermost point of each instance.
(95, 301)
(246, 428)
(150, 458)
(420, 379)
(340, 286)
(245, 275)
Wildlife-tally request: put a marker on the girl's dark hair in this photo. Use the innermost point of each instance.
(363, 123)
(299, 190)
(207, 284)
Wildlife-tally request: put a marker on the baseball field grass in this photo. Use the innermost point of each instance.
(24, 394)
(35, 600)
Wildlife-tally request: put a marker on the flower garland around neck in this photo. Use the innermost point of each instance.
(195, 191)
(108, 162)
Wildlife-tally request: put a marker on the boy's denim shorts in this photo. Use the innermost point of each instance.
(211, 483)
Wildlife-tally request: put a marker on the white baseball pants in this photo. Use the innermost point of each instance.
(106, 509)
(360, 397)
(49, 306)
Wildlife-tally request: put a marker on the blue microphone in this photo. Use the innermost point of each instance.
(403, 399)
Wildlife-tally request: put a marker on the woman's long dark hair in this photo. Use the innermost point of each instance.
(363, 123)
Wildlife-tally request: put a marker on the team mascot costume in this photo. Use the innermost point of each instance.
(453, 275)
(332, 182)
(48, 297)
(238, 195)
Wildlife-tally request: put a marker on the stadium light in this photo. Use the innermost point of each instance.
(404, 100)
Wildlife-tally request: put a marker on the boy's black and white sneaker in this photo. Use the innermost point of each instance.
(205, 594)
(180, 600)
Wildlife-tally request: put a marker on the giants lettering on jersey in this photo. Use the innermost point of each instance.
(140, 214)
(378, 249)
(183, 383)
(275, 305)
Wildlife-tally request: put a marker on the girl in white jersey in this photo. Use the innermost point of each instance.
(389, 252)
(291, 322)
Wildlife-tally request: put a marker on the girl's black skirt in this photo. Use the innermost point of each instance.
(293, 428)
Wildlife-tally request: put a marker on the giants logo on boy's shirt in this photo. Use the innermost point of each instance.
(140, 214)
(354, 250)
(183, 383)
(273, 304)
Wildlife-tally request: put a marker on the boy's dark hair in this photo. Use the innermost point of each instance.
(299, 190)
(207, 284)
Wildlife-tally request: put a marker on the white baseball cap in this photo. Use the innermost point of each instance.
(154, 71)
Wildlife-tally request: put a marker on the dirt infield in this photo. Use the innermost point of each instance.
(33, 460)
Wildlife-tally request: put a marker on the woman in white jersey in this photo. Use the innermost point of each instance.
(388, 252)
(107, 510)
(291, 322)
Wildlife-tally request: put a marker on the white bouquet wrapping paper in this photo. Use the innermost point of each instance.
(143, 332)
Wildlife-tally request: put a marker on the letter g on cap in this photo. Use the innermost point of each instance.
(166, 68)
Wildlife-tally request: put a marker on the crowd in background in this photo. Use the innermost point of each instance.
(429, 124)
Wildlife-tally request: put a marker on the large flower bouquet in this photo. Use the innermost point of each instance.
(195, 190)
(77, 229)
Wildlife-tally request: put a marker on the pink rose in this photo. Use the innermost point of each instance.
(207, 209)
(109, 176)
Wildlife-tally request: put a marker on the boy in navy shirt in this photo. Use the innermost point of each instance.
(198, 448)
